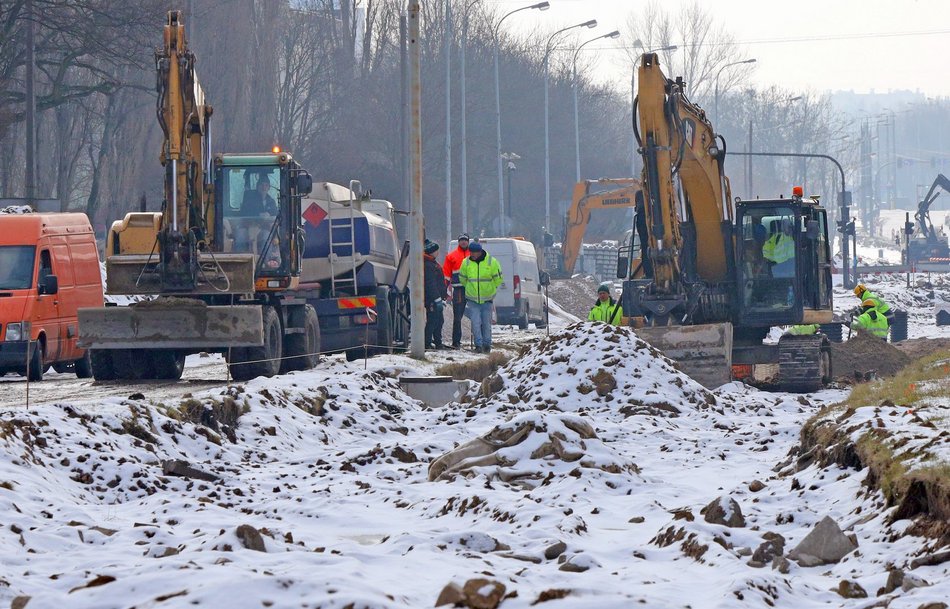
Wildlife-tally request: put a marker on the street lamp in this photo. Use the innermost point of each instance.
(509, 158)
(541, 6)
(463, 125)
(577, 141)
(633, 96)
(734, 63)
(547, 139)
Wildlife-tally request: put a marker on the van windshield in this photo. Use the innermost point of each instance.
(16, 267)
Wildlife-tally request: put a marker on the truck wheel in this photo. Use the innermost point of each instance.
(168, 364)
(302, 351)
(264, 360)
(37, 365)
(133, 364)
(543, 322)
(102, 366)
(83, 366)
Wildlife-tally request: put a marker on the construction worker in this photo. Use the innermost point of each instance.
(803, 330)
(871, 320)
(480, 276)
(779, 250)
(434, 295)
(453, 261)
(882, 307)
(605, 309)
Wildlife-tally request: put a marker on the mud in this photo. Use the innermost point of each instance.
(863, 356)
(917, 348)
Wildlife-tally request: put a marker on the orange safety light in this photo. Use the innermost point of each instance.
(275, 149)
(798, 191)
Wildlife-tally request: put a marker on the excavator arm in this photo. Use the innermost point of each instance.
(687, 196)
(923, 208)
(621, 193)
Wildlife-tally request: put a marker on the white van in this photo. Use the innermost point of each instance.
(520, 299)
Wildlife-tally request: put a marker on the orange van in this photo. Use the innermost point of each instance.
(49, 268)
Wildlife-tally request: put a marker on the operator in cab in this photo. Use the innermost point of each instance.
(606, 309)
(870, 320)
(258, 202)
(779, 250)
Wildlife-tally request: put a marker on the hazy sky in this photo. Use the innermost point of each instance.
(800, 44)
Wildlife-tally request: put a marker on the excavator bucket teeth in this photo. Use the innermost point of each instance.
(137, 274)
(171, 324)
(704, 352)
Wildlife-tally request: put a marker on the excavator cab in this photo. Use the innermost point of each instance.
(783, 261)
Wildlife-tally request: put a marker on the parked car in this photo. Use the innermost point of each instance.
(49, 268)
(520, 299)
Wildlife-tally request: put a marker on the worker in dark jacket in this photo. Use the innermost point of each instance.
(434, 294)
(605, 309)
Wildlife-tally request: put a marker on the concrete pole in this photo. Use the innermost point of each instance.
(547, 151)
(416, 221)
(404, 115)
(30, 68)
(448, 125)
(501, 183)
(577, 130)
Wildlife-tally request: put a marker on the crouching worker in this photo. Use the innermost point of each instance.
(871, 320)
(606, 309)
(882, 307)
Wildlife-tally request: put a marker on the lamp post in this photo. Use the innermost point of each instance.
(547, 139)
(463, 126)
(734, 63)
(509, 158)
(577, 137)
(541, 6)
(633, 98)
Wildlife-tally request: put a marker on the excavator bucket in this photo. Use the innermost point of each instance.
(704, 352)
(135, 274)
(171, 323)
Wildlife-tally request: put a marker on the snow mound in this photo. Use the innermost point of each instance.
(593, 367)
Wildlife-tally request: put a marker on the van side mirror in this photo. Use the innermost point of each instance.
(544, 279)
(48, 285)
(811, 229)
(304, 183)
(623, 263)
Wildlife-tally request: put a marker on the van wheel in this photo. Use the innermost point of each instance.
(543, 322)
(168, 364)
(83, 366)
(37, 365)
(523, 320)
(264, 360)
(102, 367)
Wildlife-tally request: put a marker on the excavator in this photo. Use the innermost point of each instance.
(208, 271)
(715, 275)
(928, 242)
(619, 193)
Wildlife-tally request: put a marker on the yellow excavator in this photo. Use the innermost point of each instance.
(605, 193)
(207, 273)
(715, 274)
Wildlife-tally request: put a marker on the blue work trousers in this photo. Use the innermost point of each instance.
(480, 316)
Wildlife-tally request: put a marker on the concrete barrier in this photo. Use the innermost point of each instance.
(434, 391)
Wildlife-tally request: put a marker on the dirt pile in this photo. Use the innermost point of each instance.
(864, 356)
(575, 295)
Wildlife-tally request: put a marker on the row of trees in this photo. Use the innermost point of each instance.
(321, 78)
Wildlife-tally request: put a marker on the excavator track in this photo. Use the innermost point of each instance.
(804, 363)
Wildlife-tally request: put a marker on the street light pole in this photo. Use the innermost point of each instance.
(716, 104)
(510, 158)
(577, 137)
(542, 6)
(547, 138)
(463, 126)
(633, 100)
(448, 124)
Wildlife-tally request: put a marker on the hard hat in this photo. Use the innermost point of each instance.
(859, 289)
(868, 303)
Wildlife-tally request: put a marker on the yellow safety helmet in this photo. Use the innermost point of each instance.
(868, 303)
(859, 289)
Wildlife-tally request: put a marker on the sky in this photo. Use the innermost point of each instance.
(817, 45)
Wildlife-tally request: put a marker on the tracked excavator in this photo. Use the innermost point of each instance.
(605, 193)
(715, 275)
(928, 243)
(241, 258)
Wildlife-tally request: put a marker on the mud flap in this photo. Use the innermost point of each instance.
(703, 352)
(171, 325)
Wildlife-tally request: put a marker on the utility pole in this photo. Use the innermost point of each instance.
(30, 68)
(416, 221)
(448, 125)
(464, 159)
(404, 117)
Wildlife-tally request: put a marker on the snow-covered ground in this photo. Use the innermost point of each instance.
(618, 454)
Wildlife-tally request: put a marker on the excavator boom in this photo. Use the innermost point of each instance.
(620, 193)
